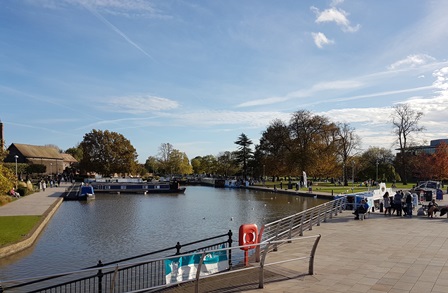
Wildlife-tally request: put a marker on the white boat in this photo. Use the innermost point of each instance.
(373, 197)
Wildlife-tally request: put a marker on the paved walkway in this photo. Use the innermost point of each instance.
(380, 254)
(34, 204)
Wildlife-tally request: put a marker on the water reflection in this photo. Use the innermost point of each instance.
(115, 226)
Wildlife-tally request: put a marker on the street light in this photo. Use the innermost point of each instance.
(51, 169)
(264, 176)
(376, 170)
(17, 178)
(353, 172)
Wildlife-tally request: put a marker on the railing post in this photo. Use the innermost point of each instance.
(258, 249)
(230, 241)
(291, 225)
(311, 219)
(302, 221)
(261, 274)
(178, 247)
(319, 215)
(276, 235)
(332, 207)
(313, 252)
(198, 272)
(326, 212)
(100, 277)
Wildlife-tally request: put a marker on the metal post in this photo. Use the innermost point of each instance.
(230, 241)
(100, 277)
(261, 274)
(17, 178)
(178, 247)
(313, 252)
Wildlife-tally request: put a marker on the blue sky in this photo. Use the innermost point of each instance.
(197, 74)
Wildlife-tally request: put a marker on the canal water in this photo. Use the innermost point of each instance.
(116, 226)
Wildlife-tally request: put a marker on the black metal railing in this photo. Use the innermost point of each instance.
(103, 277)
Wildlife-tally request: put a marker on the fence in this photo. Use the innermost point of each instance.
(293, 225)
(126, 276)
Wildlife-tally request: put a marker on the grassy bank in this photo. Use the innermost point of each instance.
(334, 188)
(15, 228)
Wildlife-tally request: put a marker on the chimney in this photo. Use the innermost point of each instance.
(2, 140)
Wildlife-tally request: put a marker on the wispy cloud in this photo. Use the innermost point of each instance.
(138, 104)
(319, 87)
(320, 40)
(412, 61)
(336, 15)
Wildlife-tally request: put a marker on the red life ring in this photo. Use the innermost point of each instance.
(248, 236)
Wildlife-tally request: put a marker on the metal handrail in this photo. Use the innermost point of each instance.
(290, 226)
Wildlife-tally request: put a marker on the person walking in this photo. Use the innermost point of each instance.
(409, 201)
(386, 203)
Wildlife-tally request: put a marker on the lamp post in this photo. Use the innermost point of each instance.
(264, 176)
(353, 172)
(17, 178)
(51, 169)
(376, 179)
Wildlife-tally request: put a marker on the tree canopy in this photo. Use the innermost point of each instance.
(106, 153)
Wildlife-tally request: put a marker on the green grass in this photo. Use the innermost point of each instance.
(15, 228)
(337, 189)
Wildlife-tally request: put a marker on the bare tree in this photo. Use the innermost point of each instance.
(348, 141)
(405, 122)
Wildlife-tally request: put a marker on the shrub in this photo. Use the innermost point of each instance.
(4, 199)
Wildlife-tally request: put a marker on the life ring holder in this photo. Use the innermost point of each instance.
(248, 235)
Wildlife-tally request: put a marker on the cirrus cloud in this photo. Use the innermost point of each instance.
(412, 61)
(140, 104)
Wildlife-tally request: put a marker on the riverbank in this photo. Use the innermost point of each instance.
(43, 203)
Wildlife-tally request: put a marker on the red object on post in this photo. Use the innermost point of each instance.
(248, 235)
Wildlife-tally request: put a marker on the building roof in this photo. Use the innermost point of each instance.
(68, 158)
(34, 151)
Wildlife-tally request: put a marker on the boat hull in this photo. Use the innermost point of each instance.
(146, 188)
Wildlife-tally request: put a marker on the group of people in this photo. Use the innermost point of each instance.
(401, 203)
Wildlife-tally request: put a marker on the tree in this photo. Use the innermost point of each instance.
(274, 149)
(152, 164)
(196, 165)
(172, 161)
(75, 152)
(244, 152)
(347, 142)
(441, 161)
(379, 161)
(165, 150)
(208, 164)
(179, 163)
(312, 141)
(225, 164)
(107, 153)
(405, 123)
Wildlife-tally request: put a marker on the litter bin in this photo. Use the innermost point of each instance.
(428, 195)
(439, 194)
